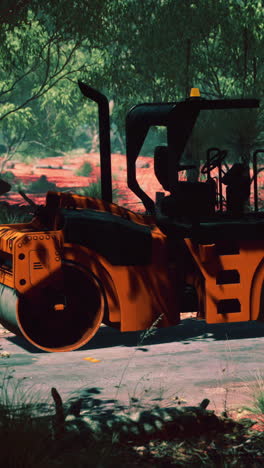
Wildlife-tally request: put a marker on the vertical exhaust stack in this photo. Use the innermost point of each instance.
(104, 138)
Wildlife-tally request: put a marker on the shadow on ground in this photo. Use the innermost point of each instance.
(89, 399)
(189, 330)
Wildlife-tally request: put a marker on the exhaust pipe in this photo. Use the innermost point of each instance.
(104, 138)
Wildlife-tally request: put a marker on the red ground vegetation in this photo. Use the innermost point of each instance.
(62, 173)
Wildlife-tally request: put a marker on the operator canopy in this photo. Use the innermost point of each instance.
(179, 118)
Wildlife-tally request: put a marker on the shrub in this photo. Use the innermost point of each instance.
(94, 190)
(8, 176)
(41, 185)
(85, 169)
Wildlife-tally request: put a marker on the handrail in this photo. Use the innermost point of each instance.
(255, 177)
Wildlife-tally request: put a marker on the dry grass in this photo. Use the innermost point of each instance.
(94, 190)
(11, 214)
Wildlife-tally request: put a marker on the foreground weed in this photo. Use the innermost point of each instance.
(25, 439)
(29, 437)
(143, 336)
(13, 215)
(259, 393)
(150, 331)
(257, 406)
(135, 400)
(228, 369)
(26, 443)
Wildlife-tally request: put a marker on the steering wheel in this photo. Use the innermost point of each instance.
(214, 160)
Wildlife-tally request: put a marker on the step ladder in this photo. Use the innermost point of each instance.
(233, 279)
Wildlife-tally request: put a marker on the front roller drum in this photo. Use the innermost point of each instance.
(56, 319)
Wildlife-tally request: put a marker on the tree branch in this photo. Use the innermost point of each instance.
(47, 83)
(36, 142)
(33, 67)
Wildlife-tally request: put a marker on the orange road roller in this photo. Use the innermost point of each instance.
(83, 261)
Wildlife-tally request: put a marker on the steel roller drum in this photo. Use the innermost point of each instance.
(56, 319)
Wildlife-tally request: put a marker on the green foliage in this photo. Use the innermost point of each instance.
(39, 103)
(242, 132)
(41, 185)
(257, 406)
(156, 137)
(13, 214)
(8, 176)
(260, 402)
(16, 183)
(85, 169)
(94, 190)
(162, 52)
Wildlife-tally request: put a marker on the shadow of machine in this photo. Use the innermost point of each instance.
(82, 261)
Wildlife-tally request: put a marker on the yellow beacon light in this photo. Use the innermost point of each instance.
(195, 92)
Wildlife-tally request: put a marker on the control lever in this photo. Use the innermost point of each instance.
(28, 200)
(47, 217)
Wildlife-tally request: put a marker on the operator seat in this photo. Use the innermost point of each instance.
(237, 180)
(188, 199)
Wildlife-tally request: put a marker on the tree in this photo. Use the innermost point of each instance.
(166, 47)
(240, 73)
(39, 101)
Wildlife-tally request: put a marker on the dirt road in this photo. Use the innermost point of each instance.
(178, 365)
